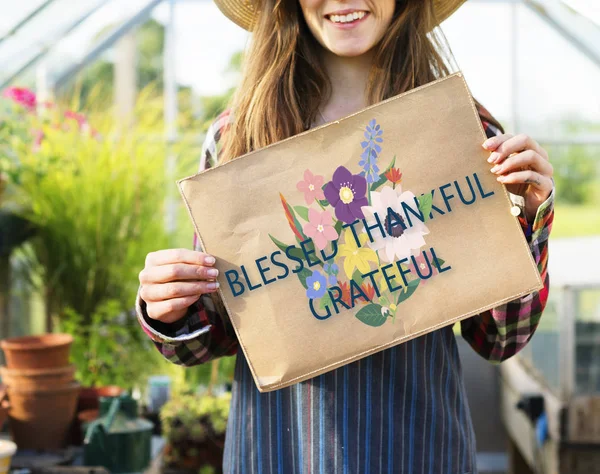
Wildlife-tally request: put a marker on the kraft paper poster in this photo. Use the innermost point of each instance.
(360, 234)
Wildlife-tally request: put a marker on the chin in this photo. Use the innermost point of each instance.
(350, 51)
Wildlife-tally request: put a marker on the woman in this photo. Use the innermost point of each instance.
(400, 410)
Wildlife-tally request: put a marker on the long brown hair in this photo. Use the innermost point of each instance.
(284, 82)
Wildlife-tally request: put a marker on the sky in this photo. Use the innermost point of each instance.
(554, 79)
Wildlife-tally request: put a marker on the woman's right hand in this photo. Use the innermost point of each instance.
(174, 279)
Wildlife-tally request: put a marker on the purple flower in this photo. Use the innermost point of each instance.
(316, 285)
(371, 150)
(346, 193)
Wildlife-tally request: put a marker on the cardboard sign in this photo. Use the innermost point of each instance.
(360, 234)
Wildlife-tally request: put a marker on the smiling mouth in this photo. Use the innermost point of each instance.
(347, 18)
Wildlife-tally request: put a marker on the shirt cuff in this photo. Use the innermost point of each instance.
(178, 331)
(544, 209)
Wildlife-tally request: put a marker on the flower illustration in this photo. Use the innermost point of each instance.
(368, 290)
(394, 176)
(346, 193)
(423, 267)
(316, 285)
(21, 96)
(311, 186)
(371, 150)
(320, 228)
(332, 270)
(345, 287)
(404, 238)
(356, 256)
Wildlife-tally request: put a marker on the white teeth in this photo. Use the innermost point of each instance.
(347, 18)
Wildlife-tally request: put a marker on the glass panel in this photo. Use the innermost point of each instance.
(543, 351)
(39, 33)
(587, 342)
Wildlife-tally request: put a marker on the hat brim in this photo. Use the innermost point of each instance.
(243, 13)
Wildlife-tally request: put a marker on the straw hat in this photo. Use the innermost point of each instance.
(243, 12)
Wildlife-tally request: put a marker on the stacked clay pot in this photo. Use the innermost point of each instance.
(42, 390)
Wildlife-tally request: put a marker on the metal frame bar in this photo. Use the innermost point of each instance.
(542, 12)
(566, 344)
(26, 20)
(61, 80)
(49, 45)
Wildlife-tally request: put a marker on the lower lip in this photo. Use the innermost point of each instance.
(349, 25)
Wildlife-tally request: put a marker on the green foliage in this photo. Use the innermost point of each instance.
(110, 349)
(576, 173)
(192, 425)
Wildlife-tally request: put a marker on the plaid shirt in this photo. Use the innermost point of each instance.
(304, 428)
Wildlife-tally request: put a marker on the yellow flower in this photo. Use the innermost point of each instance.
(355, 256)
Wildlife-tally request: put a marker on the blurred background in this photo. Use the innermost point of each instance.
(105, 104)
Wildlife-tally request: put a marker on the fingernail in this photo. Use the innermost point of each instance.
(493, 157)
(495, 169)
(213, 285)
(500, 178)
(213, 272)
(488, 143)
(209, 260)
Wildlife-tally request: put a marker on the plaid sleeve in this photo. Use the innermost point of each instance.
(205, 332)
(503, 331)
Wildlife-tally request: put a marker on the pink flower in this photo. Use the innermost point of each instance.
(79, 118)
(21, 96)
(311, 187)
(38, 138)
(319, 228)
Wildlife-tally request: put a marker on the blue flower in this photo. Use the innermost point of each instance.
(332, 270)
(371, 150)
(316, 285)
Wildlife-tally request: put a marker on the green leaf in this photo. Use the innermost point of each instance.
(338, 227)
(296, 222)
(294, 252)
(371, 315)
(303, 275)
(302, 212)
(325, 301)
(279, 244)
(357, 277)
(425, 204)
(382, 179)
(410, 289)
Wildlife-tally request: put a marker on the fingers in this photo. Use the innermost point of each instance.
(175, 272)
(526, 159)
(530, 177)
(174, 290)
(506, 144)
(171, 256)
(169, 311)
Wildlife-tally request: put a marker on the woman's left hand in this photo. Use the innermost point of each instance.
(523, 166)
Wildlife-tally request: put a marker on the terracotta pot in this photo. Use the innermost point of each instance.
(41, 418)
(7, 451)
(3, 406)
(89, 397)
(37, 352)
(38, 378)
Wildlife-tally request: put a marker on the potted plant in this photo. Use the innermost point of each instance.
(194, 429)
